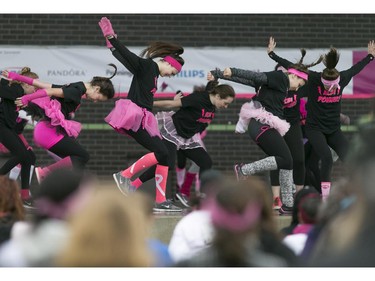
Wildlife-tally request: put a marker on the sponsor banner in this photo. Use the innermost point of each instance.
(66, 64)
(364, 82)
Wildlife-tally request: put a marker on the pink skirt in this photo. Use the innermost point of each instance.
(169, 132)
(255, 110)
(126, 115)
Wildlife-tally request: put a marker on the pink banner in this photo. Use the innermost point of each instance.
(363, 82)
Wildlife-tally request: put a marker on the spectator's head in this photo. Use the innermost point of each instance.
(10, 200)
(109, 231)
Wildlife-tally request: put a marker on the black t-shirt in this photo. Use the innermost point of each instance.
(195, 114)
(272, 94)
(324, 107)
(8, 109)
(145, 75)
(73, 93)
(292, 103)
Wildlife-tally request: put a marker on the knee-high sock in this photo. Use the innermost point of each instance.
(180, 175)
(161, 176)
(266, 164)
(142, 163)
(326, 187)
(286, 187)
(190, 177)
(63, 163)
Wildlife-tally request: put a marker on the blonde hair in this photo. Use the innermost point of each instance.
(110, 231)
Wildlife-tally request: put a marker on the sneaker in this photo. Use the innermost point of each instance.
(166, 206)
(123, 184)
(40, 173)
(28, 203)
(277, 203)
(238, 172)
(184, 199)
(285, 210)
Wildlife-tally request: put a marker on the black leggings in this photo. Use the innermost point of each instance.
(70, 147)
(197, 155)
(272, 143)
(20, 155)
(321, 143)
(294, 140)
(153, 144)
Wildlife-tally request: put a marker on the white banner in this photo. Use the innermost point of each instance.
(61, 65)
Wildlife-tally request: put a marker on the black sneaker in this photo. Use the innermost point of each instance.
(238, 172)
(184, 199)
(285, 210)
(166, 206)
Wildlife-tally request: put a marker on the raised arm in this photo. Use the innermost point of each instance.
(270, 50)
(355, 69)
(130, 60)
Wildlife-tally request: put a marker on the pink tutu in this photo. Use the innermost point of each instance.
(52, 109)
(255, 110)
(126, 115)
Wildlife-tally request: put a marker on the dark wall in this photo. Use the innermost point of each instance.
(111, 151)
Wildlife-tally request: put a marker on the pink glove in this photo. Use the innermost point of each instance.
(17, 77)
(106, 27)
(41, 93)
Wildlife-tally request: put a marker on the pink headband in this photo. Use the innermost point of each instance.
(331, 83)
(232, 221)
(173, 62)
(300, 74)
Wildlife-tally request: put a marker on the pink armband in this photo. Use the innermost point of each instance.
(41, 93)
(17, 77)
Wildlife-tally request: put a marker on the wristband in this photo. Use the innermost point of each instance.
(17, 77)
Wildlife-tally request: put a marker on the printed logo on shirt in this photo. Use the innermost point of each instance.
(206, 117)
(290, 102)
(326, 96)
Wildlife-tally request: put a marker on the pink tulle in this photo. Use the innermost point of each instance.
(248, 111)
(52, 109)
(126, 115)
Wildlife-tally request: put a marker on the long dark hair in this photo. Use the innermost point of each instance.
(105, 83)
(163, 49)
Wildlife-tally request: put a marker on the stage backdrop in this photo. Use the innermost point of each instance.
(61, 65)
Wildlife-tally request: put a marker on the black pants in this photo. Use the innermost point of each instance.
(294, 140)
(71, 147)
(153, 144)
(20, 155)
(321, 143)
(272, 143)
(197, 155)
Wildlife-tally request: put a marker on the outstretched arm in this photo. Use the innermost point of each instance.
(245, 80)
(168, 104)
(42, 93)
(20, 78)
(270, 50)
